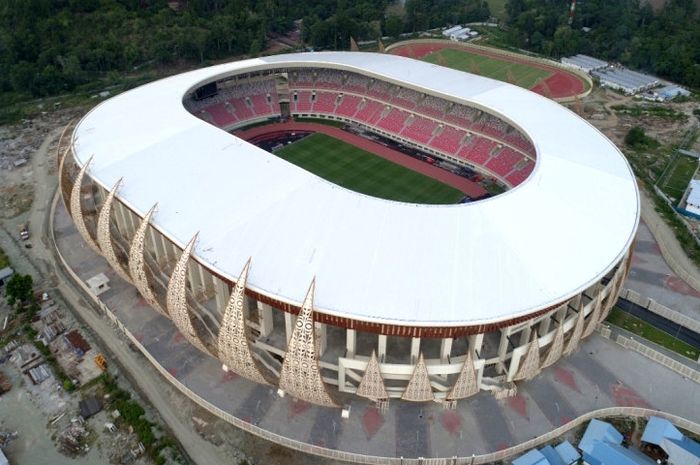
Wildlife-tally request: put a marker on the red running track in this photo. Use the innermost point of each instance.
(560, 84)
(469, 188)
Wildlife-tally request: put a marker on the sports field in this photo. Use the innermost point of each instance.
(674, 180)
(361, 171)
(537, 76)
(515, 73)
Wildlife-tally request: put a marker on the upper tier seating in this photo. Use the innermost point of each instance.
(393, 121)
(325, 102)
(348, 105)
(504, 162)
(420, 129)
(449, 140)
(477, 151)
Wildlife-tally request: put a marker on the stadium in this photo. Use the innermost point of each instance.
(356, 224)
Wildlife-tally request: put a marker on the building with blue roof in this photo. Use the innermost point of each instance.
(567, 452)
(680, 449)
(602, 445)
(533, 457)
(563, 454)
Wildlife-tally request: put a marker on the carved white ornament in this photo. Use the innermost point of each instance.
(137, 265)
(466, 383)
(576, 334)
(556, 348)
(104, 234)
(372, 384)
(530, 364)
(176, 299)
(234, 339)
(300, 374)
(76, 209)
(419, 389)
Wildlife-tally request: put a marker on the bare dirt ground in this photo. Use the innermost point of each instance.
(206, 439)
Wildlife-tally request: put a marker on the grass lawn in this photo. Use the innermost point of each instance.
(497, 7)
(361, 171)
(677, 176)
(641, 328)
(515, 73)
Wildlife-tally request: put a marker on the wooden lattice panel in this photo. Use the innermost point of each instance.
(104, 234)
(137, 265)
(300, 374)
(176, 299)
(530, 365)
(76, 209)
(419, 389)
(557, 347)
(466, 384)
(234, 336)
(372, 384)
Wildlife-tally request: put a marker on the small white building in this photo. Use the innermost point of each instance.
(693, 200)
(450, 31)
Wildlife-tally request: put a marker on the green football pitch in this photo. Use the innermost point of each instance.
(361, 171)
(515, 73)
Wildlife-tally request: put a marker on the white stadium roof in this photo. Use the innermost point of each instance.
(374, 260)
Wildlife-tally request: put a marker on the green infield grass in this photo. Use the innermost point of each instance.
(677, 175)
(514, 73)
(361, 171)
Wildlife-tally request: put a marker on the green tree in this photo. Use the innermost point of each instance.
(19, 289)
(393, 26)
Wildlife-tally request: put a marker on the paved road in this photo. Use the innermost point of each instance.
(680, 332)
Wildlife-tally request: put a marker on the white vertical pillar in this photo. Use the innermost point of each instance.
(503, 345)
(265, 317)
(381, 347)
(525, 335)
(289, 321)
(195, 281)
(475, 343)
(321, 337)
(350, 342)
(415, 349)
(222, 294)
(207, 285)
(445, 349)
(545, 323)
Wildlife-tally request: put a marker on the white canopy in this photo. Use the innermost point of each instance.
(374, 260)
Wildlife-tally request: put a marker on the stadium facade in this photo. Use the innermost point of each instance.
(292, 281)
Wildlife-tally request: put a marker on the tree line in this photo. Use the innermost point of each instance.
(665, 42)
(52, 46)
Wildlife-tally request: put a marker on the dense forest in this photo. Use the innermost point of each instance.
(49, 47)
(665, 42)
(53, 46)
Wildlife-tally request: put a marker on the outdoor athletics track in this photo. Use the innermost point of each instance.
(470, 188)
(560, 84)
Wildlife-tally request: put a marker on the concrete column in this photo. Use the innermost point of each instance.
(222, 294)
(157, 245)
(289, 321)
(321, 337)
(545, 323)
(207, 284)
(265, 317)
(415, 349)
(503, 345)
(120, 220)
(525, 335)
(350, 342)
(194, 278)
(475, 343)
(381, 347)
(445, 349)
